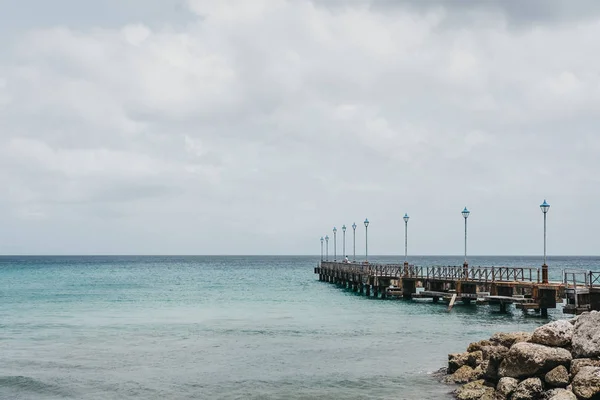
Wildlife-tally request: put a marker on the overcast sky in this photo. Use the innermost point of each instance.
(255, 127)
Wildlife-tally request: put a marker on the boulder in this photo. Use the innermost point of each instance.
(586, 335)
(505, 387)
(508, 339)
(529, 389)
(476, 390)
(579, 363)
(457, 360)
(557, 333)
(492, 357)
(494, 353)
(478, 345)
(558, 377)
(559, 394)
(586, 384)
(529, 359)
(462, 375)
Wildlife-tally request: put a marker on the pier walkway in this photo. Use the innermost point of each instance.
(523, 286)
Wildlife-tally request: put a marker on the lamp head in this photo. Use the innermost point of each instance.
(406, 217)
(544, 207)
(465, 213)
(366, 222)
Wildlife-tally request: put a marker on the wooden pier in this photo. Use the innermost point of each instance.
(523, 286)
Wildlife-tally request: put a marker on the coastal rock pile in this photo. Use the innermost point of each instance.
(559, 361)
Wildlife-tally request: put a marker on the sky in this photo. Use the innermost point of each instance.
(255, 127)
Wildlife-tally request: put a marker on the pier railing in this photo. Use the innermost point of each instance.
(447, 273)
(574, 278)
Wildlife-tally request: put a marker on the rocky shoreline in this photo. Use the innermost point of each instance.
(558, 361)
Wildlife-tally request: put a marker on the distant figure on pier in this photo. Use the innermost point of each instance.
(346, 260)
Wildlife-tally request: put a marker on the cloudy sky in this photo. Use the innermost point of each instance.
(255, 127)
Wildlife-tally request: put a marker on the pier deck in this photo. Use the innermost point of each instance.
(521, 286)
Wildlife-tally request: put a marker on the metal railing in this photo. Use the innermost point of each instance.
(448, 273)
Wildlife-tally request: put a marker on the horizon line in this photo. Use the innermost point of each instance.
(291, 255)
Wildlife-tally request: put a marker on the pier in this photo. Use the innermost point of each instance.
(527, 288)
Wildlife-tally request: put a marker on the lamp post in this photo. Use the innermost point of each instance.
(465, 213)
(406, 217)
(544, 207)
(334, 244)
(354, 242)
(344, 242)
(322, 248)
(326, 248)
(366, 240)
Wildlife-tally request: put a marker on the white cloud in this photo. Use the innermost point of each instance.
(270, 122)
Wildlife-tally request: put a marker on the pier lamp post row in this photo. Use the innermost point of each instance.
(544, 207)
(465, 213)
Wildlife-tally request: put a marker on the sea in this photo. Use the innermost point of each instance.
(230, 327)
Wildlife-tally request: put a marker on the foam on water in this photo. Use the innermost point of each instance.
(226, 328)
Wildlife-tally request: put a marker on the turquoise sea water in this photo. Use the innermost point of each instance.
(228, 328)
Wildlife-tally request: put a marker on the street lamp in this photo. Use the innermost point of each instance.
(322, 248)
(354, 242)
(344, 241)
(334, 244)
(366, 240)
(465, 213)
(406, 217)
(545, 207)
(326, 248)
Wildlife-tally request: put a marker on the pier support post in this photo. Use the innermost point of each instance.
(544, 273)
(361, 288)
(368, 291)
(408, 288)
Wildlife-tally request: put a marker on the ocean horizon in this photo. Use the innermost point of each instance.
(230, 327)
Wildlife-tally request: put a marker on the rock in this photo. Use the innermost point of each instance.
(475, 358)
(558, 377)
(505, 387)
(579, 363)
(529, 359)
(559, 394)
(586, 384)
(494, 353)
(492, 357)
(476, 390)
(462, 375)
(586, 335)
(477, 373)
(478, 345)
(457, 360)
(557, 333)
(508, 339)
(529, 389)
